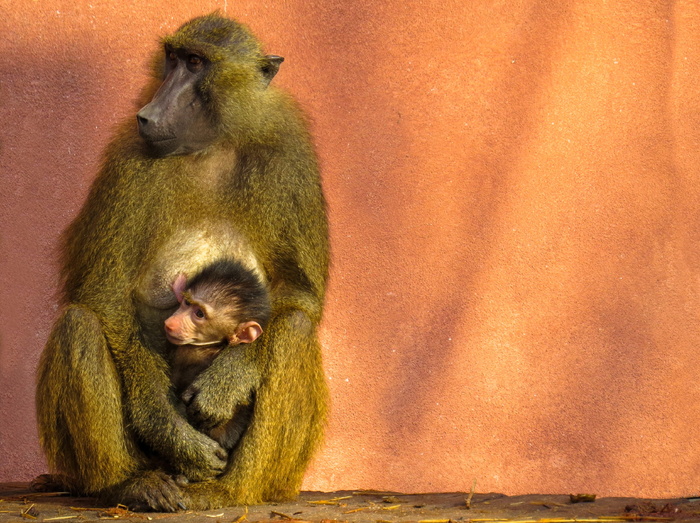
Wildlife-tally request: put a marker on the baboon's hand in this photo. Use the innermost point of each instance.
(201, 458)
(209, 407)
(212, 401)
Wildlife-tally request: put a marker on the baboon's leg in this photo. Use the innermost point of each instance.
(79, 406)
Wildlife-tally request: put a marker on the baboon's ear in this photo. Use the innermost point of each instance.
(270, 66)
(247, 332)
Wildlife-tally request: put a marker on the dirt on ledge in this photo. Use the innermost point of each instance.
(19, 503)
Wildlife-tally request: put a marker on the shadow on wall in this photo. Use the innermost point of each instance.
(424, 229)
(42, 162)
(505, 223)
(59, 97)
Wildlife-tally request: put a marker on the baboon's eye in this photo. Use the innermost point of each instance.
(195, 63)
(172, 55)
(199, 313)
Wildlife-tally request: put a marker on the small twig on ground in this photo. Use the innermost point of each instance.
(356, 510)
(29, 512)
(468, 501)
(242, 517)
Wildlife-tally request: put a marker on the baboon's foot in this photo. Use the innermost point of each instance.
(50, 483)
(151, 490)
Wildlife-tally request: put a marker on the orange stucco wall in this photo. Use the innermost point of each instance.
(515, 214)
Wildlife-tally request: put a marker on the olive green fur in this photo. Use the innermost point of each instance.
(106, 412)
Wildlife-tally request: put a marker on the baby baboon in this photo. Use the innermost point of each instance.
(221, 307)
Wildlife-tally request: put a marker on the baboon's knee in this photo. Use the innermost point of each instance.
(300, 322)
(78, 336)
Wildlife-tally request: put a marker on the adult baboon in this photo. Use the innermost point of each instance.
(222, 166)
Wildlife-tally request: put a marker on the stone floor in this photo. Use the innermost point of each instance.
(18, 503)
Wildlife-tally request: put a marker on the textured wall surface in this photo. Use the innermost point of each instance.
(515, 215)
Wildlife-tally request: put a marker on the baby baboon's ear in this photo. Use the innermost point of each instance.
(247, 332)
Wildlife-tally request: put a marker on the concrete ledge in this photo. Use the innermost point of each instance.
(18, 503)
